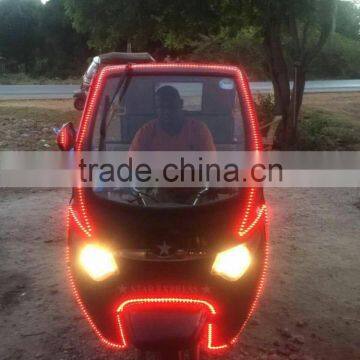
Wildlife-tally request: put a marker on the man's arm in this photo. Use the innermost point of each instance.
(139, 141)
(204, 140)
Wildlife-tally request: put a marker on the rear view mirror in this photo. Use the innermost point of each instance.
(66, 137)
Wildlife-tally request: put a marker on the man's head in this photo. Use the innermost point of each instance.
(169, 108)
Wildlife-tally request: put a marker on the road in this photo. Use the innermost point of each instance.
(9, 92)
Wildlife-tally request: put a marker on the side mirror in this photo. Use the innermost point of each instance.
(66, 136)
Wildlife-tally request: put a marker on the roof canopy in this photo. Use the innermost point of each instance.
(125, 57)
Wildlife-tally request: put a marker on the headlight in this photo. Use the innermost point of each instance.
(98, 262)
(232, 264)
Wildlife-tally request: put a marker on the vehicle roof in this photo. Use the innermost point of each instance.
(175, 68)
(124, 58)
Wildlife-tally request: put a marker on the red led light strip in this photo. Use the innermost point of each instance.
(142, 301)
(244, 231)
(84, 311)
(62, 139)
(99, 81)
(83, 210)
(261, 283)
(79, 301)
(78, 222)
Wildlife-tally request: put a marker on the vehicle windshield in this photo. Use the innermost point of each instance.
(166, 113)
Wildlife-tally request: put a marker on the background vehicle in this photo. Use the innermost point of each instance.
(167, 274)
(113, 58)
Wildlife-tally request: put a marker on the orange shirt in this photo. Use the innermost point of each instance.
(194, 136)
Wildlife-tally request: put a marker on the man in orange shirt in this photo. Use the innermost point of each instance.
(172, 131)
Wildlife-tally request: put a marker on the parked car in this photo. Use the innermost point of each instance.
(98, 62)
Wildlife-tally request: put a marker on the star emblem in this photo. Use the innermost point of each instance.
(164, 249)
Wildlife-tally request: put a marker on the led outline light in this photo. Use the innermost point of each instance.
(261, 283)
(98, 83)
(78, 222)
(172, 300)
(79, 301)
(62, 139)
(261, 210)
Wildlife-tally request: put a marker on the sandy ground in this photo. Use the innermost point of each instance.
(310, 308)
(62, 105)
(348, 103)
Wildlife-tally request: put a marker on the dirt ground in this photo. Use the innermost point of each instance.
(345, 103)
(310, 308)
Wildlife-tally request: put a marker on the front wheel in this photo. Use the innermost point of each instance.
(172, 355)
(193, 354)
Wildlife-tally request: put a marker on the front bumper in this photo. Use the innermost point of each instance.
(153, 304)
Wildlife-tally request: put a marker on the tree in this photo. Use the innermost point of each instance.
(19, 30)
(110, 25)
(40, 38)
(307, 24)
(147, 24)
(63, 51)
(348, 19)
(178, 24)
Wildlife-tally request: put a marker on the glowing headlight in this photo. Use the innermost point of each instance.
(232, 264)
(98, 262)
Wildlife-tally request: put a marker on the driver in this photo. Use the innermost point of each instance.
(172, 130)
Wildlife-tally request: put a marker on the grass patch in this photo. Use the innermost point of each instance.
(24, 79)
(322, 130)
(31, 128)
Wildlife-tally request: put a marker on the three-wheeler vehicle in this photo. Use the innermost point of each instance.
(176, 272)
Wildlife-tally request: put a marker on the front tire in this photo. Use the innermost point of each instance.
(193, 354)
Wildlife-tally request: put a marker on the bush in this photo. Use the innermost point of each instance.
(321, 130)
(265, 107)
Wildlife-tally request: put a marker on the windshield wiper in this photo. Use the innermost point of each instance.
(141, 196)
(200, 194)
(121, 91)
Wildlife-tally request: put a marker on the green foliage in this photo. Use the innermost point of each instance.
(348, 20)
(340, 58)
(321, 130)
(265, 108)
(242, 47)
(19, 31)
(145, 23)
(39, 39)
(63, 50)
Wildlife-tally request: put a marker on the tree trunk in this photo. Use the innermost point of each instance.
(280, 80)
(297, 95)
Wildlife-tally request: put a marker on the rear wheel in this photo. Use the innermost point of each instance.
(79, 103)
